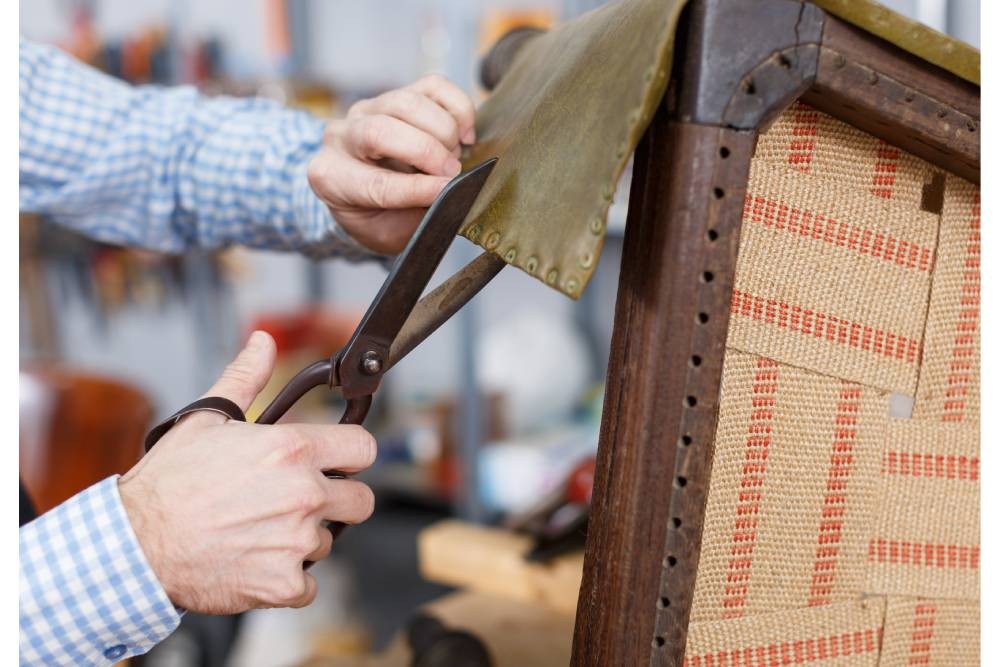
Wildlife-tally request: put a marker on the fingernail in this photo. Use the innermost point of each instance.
(469, 137)
(452, 167)
(257, 339)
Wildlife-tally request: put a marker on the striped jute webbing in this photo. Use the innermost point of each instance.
(948, 389)
(930, 632)
(925, 540)
(792, 496)
(832, 279)
(844, 633)
(834, 532)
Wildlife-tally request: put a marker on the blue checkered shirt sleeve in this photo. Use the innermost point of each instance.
(167, 168)
(87, 593)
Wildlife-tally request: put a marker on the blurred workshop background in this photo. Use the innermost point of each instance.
(484, 419)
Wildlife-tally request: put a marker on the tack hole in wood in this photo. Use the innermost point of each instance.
(681, 481)
(712, 235)
(671, 561)
(695, 361)
(719, 193)
(686, 440)
(707, 277)
(690, 401)
(664, 603)
(702, 318)
(724, 152)
(676, 521)
(659, 642)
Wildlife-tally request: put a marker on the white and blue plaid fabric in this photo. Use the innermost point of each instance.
(87, 593)
(164, 169)
(167, 168)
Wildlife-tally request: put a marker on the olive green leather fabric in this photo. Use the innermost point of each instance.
(563, 121)
(946, 52)
(572, 107)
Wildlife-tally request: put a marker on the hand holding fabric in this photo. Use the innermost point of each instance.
(384, 164)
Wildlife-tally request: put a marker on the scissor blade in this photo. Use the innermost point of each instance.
(406, 282)
(444, 301)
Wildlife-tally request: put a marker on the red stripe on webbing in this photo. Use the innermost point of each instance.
(922, 634)
(924, 554)
(805, 126)
(886, 165)
(963, 349)
(831, 520)
(942, 466)
(756, 446)
(831, 328)
(792, 652)
(817, 226)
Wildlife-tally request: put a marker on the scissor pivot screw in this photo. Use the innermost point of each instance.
(371, 363)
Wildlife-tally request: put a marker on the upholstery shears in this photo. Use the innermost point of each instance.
(396, 321)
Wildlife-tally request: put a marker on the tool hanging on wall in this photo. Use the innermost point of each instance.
(111, 278)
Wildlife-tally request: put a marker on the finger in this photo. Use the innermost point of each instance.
(392, 230)
(343, 447)
(419, 111)
(242, 379)
(387, 232)
(378, 137)
(372, 187)
(348, 501)
(308, 595)
(247, 374)
(454, 100)
(325, 546)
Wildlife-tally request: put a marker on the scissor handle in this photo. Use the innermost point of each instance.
(316, 374)
(320, 373)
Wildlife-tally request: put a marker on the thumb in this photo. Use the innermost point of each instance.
(247, 374)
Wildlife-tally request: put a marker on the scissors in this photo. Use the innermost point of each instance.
(396, 321)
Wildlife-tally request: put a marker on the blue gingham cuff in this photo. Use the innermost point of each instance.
(88, 596)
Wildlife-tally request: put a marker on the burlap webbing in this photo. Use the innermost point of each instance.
(791, 502)
(949, 377)
(832, 279)
(926, 534)
(930, 632)
(804, 140)
(818, 500)
(846, 633)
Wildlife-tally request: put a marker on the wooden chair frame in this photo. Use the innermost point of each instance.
(678, 265)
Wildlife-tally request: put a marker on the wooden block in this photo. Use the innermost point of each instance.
(515, 633)
(491, 560)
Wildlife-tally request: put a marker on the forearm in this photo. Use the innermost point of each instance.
(87, 593)
(167, 168)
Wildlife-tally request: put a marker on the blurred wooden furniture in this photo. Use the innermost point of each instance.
(522, 612)
(491, 561)
(517, 634)
(79, 429)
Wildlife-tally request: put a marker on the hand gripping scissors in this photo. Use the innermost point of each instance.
(396, 321)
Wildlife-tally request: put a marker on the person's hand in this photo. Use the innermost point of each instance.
(384, 164)
(227, 512)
